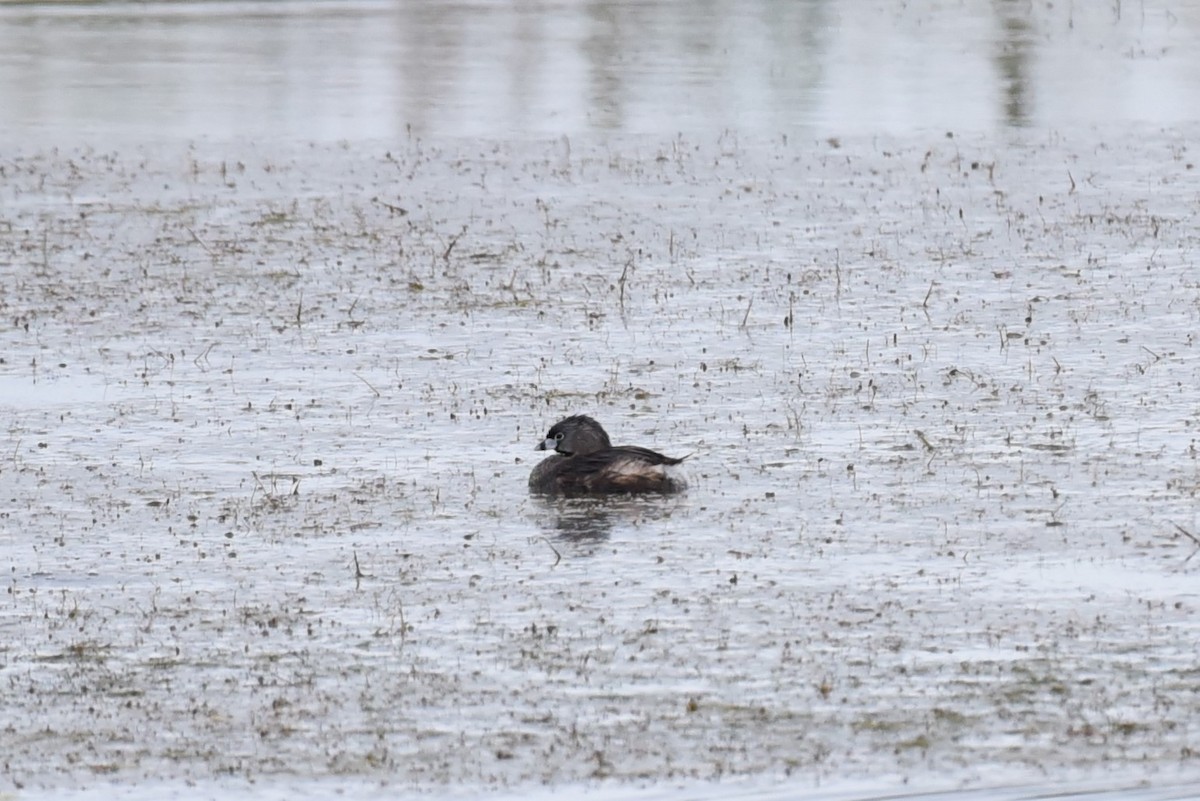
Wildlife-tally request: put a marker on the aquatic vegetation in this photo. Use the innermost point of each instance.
(260, 479)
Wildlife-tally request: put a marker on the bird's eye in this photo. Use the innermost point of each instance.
(558, 436)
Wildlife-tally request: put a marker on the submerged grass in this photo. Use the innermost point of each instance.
(267, 448)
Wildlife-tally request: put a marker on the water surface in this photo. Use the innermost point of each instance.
(270, 413)
(365, 70)
(291, 290)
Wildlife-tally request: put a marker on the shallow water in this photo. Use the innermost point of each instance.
(270, 406)
(367, 69)
(270, 412)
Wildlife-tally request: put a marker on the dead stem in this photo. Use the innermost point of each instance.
(200, 241)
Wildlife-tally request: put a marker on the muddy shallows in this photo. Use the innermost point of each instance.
(269, 415)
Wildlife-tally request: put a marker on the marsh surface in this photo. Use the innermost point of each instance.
(269, 421)
(270, 406)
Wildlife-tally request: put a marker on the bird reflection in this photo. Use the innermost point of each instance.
(591, 520)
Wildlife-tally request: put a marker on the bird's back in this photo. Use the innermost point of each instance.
(626, 468)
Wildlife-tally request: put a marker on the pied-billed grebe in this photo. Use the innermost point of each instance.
(585, 462)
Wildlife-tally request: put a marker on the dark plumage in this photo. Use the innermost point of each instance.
(587, 463)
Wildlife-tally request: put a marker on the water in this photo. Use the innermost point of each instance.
(369, 70)
(271, 386)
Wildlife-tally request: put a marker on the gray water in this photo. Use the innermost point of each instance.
(271, 391)
(367, 70)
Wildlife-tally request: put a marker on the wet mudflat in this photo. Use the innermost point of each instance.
(269, 412)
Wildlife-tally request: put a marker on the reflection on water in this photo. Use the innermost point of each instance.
(590, 520)
(357, 70)
(1012, 57)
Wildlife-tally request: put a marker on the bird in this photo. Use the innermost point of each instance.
(585, 462)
